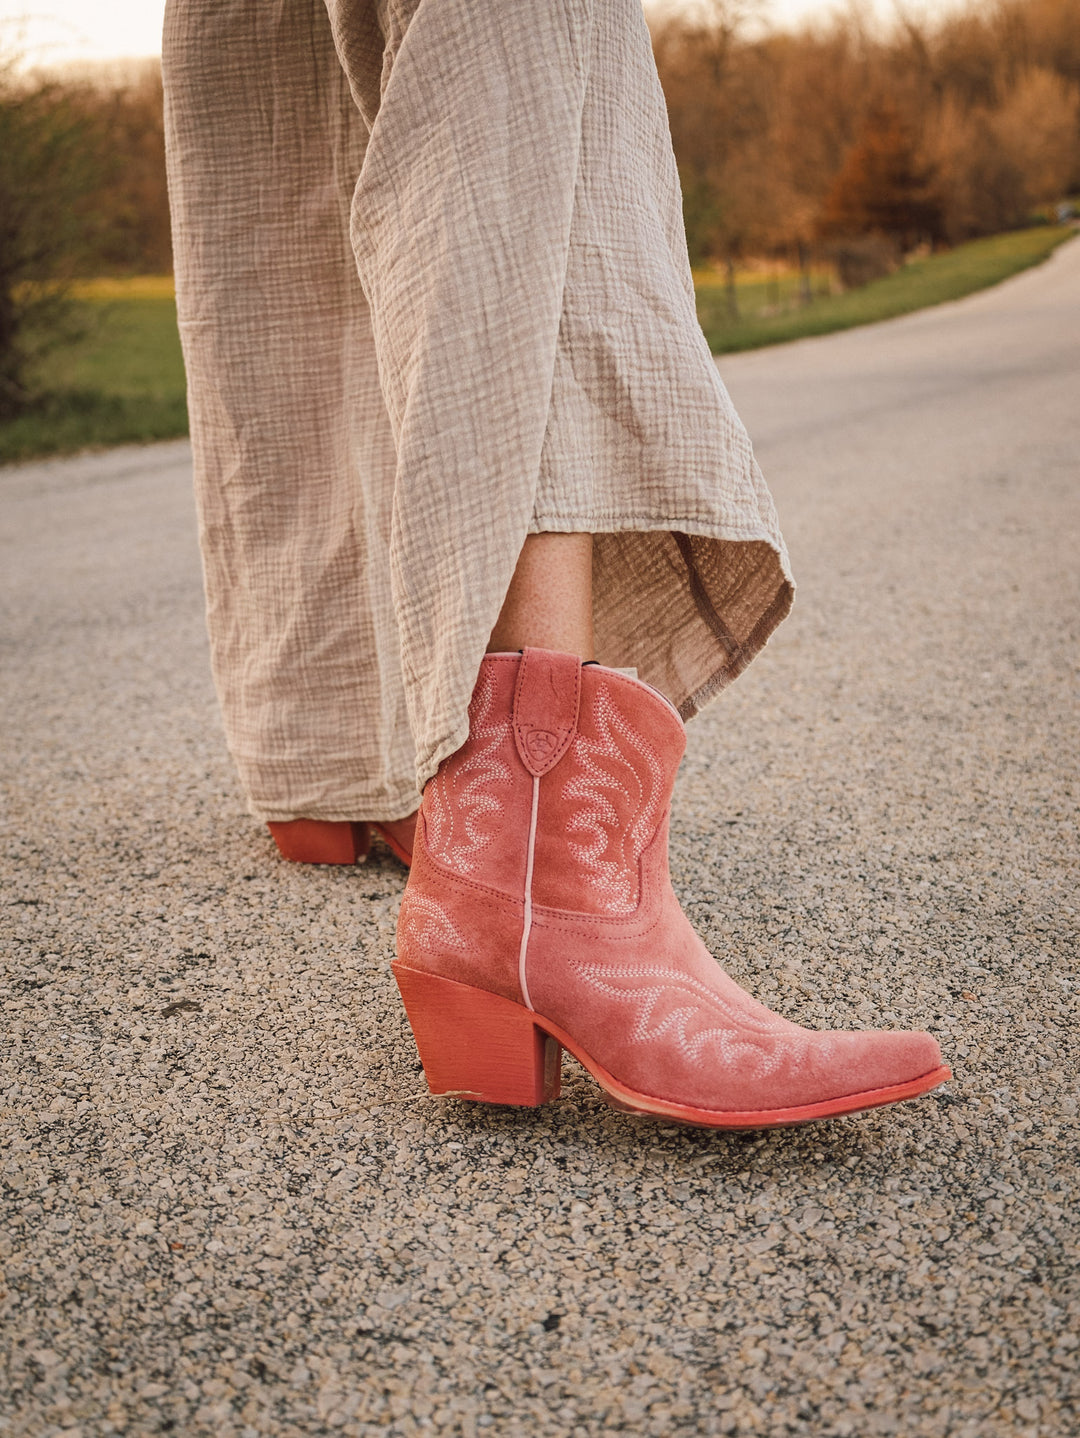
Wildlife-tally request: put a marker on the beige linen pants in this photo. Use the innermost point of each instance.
(434, 296)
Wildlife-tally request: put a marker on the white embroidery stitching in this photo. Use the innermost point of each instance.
(429, 926)
(620, 771)
(737, 1028)
(465, 802)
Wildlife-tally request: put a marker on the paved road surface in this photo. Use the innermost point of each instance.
(229, 1207)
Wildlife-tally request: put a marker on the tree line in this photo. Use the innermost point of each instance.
(872, 143)
(82, 193)
(833, 138)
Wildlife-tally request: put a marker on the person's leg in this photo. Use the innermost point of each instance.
(517, 228)
(549, 602)
(540, 376)
(519, 241)
(460, 225)
(294, 455)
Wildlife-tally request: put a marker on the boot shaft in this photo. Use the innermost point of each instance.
(564, 782)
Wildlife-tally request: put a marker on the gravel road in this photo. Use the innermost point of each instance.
(229, 1206)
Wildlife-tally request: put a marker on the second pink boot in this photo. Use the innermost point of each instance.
(539, 915)
(329, 841)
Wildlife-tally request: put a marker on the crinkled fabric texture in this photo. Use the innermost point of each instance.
(434, 295)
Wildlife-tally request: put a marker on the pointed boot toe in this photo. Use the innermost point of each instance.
(539, 915)
(882, 1060)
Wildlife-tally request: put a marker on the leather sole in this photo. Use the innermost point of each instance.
(478, 1046)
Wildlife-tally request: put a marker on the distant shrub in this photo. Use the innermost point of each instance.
(48, 170)
(863, 258)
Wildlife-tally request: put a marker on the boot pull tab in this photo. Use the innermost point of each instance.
(546, 700)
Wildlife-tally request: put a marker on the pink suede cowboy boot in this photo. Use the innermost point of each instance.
(539, 915)
(328, 841)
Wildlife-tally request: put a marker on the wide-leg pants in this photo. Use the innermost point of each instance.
(434, 296)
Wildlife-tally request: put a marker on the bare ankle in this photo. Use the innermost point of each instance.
(549, 602)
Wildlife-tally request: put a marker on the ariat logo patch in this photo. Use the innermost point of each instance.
(540, 744)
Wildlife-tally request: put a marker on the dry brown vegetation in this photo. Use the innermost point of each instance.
(131, 198)
(869, 143)
(82, 192)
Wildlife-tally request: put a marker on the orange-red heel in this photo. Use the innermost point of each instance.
(398, 837)
(476, 1045)
(322, 841)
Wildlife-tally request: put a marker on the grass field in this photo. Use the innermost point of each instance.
(920, 283)
(122, 381)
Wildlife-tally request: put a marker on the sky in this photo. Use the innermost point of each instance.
(55, 32)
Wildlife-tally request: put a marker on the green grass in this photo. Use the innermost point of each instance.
(759, 291)
(920, 283)
(123, 380)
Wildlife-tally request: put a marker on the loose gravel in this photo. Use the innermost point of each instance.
(229, 1206)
